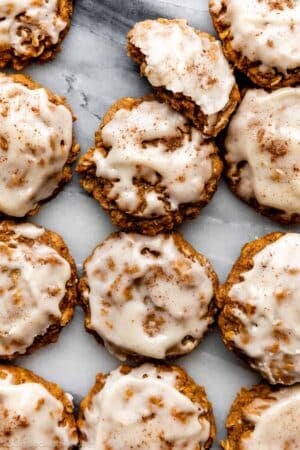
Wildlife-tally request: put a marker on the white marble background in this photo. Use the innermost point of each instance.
(93, 71)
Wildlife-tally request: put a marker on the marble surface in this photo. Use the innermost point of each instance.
(93, 71)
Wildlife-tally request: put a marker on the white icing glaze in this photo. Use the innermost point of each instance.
(32, 284)
(272, 287)
(35, 141)
(184, 170)
(147, 303)
(276, 422)
(30, 418)
(25, 24)
(184, 62)
(262, 32)
(264, 125)
(134, 411)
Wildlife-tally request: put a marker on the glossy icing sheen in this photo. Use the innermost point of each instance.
(35, 141)
(33, 279)
(25, 24)
(184, 62)
(264, 30)
(148, 413)
(272, 330)
(181, 171)
(276, 421)
(265, 132)
(147, 302)
(30, 418)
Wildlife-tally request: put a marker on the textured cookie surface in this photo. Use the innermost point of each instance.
(34, 413)
(32, 29)
(36, 145)
(148, 407)
(187, 65)
(150, 167)
(264, 418)
(262, 152)
(261, 37)
(260, 311)
(37, 285)
(148, 296)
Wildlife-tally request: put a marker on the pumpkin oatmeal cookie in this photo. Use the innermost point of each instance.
(37, 148)
(259, 303)
(32, 30)
(262, 152)
(187, 69)
(148, 296)
(34, 413)
(38, 288)
(150, 167)
(261, 38)
(146, 407)
(264, 417)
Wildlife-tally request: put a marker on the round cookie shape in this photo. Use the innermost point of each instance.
(34, 413)
(261, 38)
(264, 417)
(263, 155)
(187, 69)
(148, 296)
(148, 407)
(32, 30)
(260, 312)
(36, 145)
(150, 167)
(38, 288)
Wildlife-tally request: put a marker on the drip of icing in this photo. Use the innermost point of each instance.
(30, 418)
(35, 141)
(23, 19)
(271, 288)
(144, 410)
(186, 62)
(32, 283)
(147, 296)
(265, 133)
(266, 31)
(184, 170)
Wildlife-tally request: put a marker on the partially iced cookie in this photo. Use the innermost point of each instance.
(148, 296)
(147, 408)
(150, 167)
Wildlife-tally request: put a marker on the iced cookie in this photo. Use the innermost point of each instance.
(261, 38)
(37, 288)
(263, 155)
(34, 413)
(150, 167)
(260, 307)
(187, 69)
(148, 296)
(32, 30)
(264, 418)
(147, 408)
(36, 145)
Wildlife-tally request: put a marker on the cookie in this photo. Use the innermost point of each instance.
(36, 145)
(32, 30)
(34, 413)
(146, 407)
(150, 167)
(38, 288)
(262, 153)
(261, 38)
(148, 296)
(187, 69)
(264, 417)
(259, 304)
